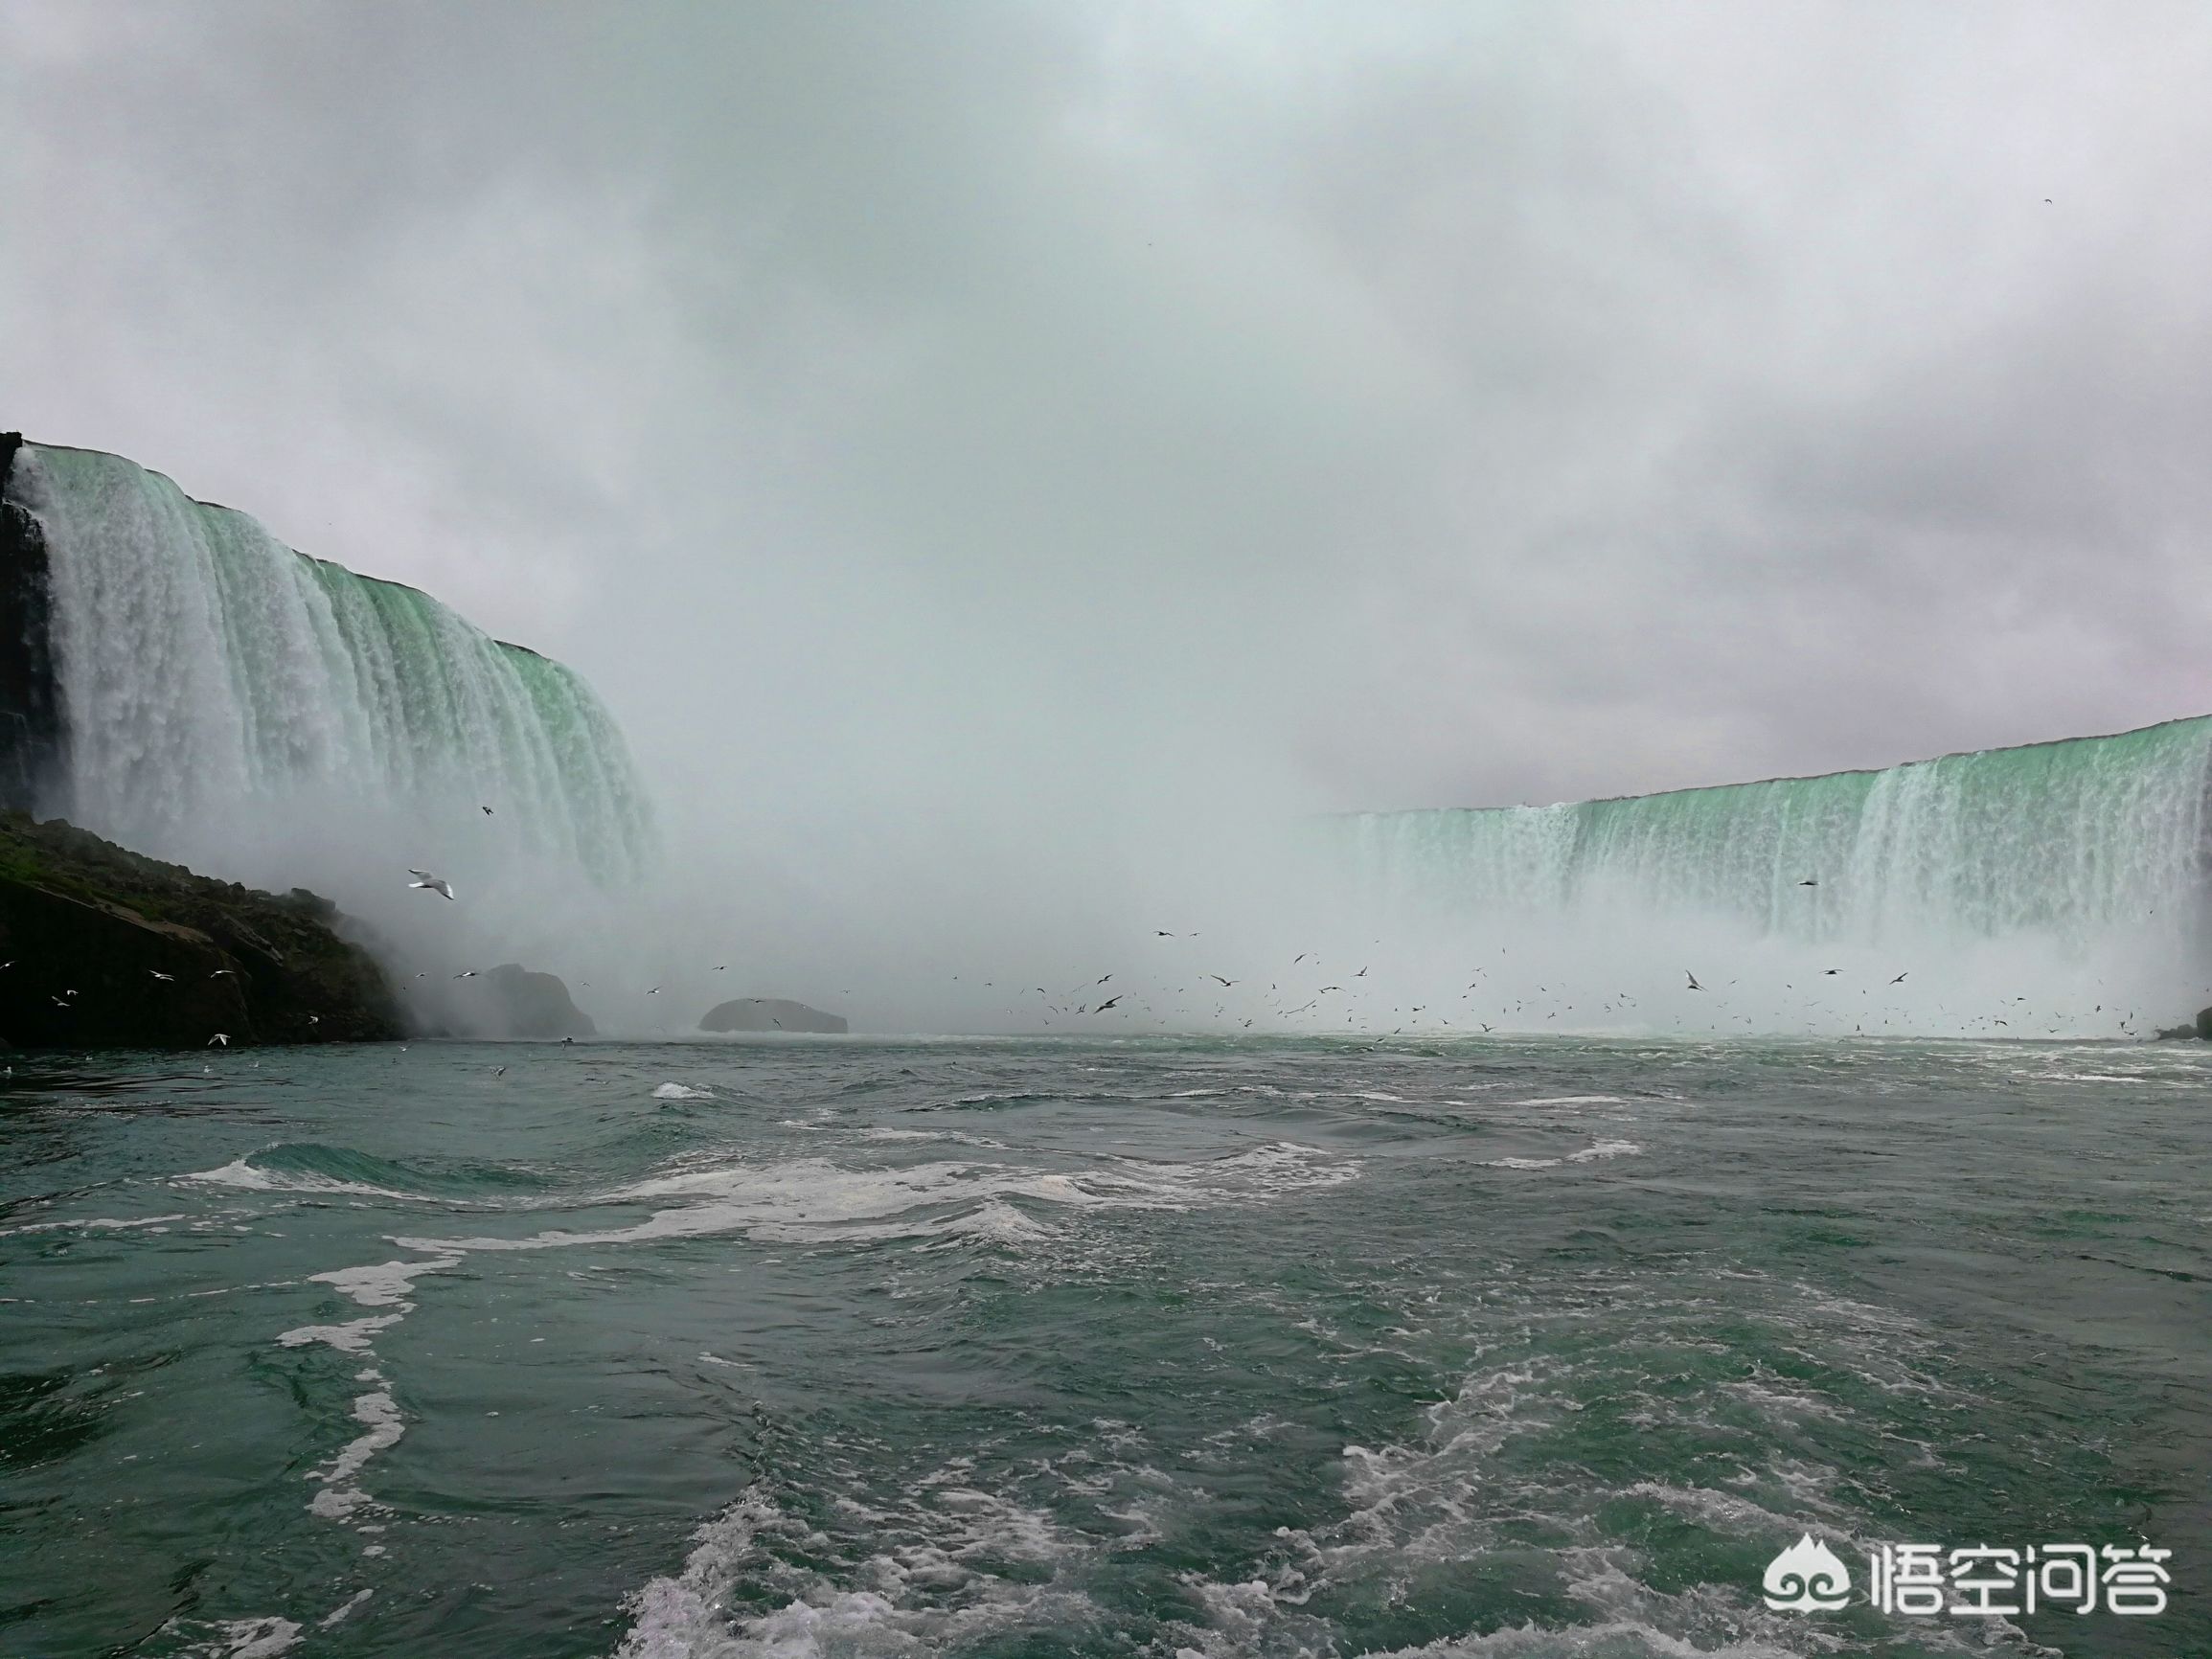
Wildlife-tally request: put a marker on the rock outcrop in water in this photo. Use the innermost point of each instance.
(510, 1001)
(103, 948)
(770, 1013)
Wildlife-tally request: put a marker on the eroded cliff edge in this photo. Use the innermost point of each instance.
(101, 948)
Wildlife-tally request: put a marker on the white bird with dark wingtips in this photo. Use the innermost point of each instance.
(220, 1037)
(433, 883)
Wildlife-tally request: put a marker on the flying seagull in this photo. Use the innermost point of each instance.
(434, 884)
(469, 974)
(1104, 1006)
(1809, 881)
(487, 812)
(1693, 978)
(222, 1037)
(158, 974)
(1899, 980)
(221, 972)
(1225, 982)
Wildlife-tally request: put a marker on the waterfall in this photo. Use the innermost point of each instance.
(218, 693)
(2069, 837)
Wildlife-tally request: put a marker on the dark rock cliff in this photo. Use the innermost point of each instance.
(770, 1013)
(510, 1001)
(102, 948)
(31, 737)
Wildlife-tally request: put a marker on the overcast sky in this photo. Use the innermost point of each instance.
(909, 408)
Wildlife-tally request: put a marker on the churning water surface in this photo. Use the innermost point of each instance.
(1239, 1349)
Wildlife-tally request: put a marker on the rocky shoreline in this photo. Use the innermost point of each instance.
(101, 948)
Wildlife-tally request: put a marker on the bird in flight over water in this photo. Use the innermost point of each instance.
(433, 883)
(1693, 978)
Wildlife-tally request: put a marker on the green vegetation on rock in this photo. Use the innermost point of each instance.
(103, 948)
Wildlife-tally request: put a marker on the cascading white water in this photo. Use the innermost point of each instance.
(2055, 888)
(220, 693)
(2070, 836)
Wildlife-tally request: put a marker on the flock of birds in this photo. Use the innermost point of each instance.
(1297, 997)
(1295, 1000)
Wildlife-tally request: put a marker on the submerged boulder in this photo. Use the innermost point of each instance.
(103, 948)
(511, 1001)
(770, 1013)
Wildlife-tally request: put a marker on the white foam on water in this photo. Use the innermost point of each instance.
(352, 1337)
(1569, 1100)
(1590, 1154)
(252, 1179)
(90, 1221)
(999, 1222)
(1426, 1507)
(679, 1092)
(805, 1199)
(380, 1285)
(1615, 1639)
(262, 1638)
(340, 1613)
(340, 1498)
(386, 1284)
(930, 1591)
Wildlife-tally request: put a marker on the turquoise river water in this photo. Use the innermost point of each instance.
(1151, 1348)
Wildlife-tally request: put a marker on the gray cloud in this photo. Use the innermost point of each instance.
(936, 428)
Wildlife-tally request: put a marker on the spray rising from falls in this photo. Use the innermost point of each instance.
(226, 701)
(2029, 875)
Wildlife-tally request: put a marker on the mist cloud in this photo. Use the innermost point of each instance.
(964, 443)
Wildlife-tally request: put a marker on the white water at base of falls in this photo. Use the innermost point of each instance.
(2068, 836)
(2052, 889)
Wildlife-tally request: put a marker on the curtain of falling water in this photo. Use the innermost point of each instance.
(211, 676)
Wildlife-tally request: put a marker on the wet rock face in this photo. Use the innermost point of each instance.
(770, 1013)
(31, 736)
(2204, 1023)
(107, 949)
(511, 1001)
